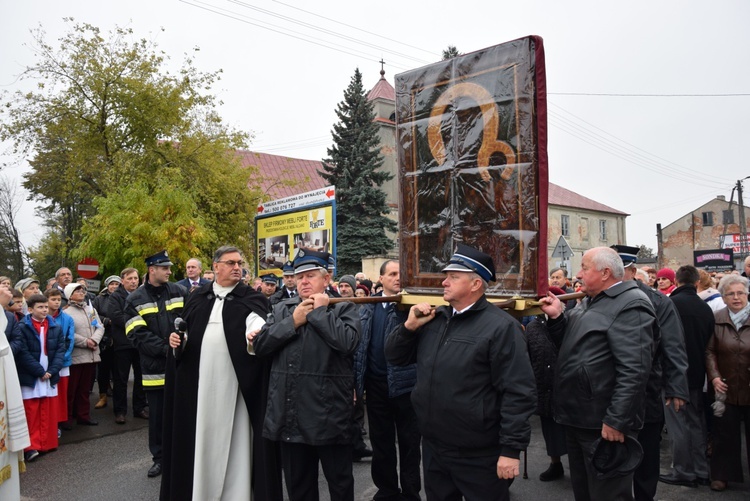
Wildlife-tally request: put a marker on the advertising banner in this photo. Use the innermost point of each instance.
(733, 241)
(714, 259)
(280, 235)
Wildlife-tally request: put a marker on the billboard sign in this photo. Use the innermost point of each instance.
(733, 241)
(284, 226)
(714, 259)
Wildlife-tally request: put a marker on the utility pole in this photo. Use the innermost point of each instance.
(743, 223)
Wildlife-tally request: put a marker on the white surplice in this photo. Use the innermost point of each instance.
(224, 435)
(14, 432)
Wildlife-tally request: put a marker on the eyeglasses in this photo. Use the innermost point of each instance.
(232, 264)
(735, 294)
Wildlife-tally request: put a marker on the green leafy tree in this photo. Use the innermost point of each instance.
(106, 115)
(125, 229)
(46, 257)
(353, 167)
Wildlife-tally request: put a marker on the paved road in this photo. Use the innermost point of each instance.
(109, 462)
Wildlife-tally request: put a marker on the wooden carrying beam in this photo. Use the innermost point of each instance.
(517, 304)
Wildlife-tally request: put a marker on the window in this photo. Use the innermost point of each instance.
(708, 218)
(603, 230)
(565, 225)
(727, 217)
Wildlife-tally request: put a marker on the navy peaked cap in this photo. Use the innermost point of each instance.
(307, 260)
(159, 259)
(470, 259)
(628, 254)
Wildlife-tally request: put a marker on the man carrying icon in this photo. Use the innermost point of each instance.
(605, 352)
(311, 344)
(475, 387)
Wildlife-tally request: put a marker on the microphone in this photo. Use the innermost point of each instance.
(180, 326)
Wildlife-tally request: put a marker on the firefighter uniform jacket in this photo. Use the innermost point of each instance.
(151, 312)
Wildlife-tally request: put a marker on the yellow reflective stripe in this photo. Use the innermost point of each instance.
(147, 311)
(147, 381)
(147, 306)
(133, 323)
(173, 303)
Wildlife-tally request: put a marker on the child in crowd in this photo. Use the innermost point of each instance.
(16, 307)
(54, 296)
(39, 347)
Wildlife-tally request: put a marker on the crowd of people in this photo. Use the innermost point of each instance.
(699, 361)
(241, 378)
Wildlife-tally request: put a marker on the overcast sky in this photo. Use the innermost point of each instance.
(658, 155)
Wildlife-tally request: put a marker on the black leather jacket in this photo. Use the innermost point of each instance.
(604, 360)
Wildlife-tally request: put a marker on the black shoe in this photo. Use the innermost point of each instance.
(554, 472)
(143, 414)
(65, 425)
(672, 480)
(704, 482)
(30, 455)
(120, 419)
(88, 422)
(155, 470)
(359, 454)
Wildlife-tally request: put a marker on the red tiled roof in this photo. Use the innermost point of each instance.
(560, 196)
(274, 168)
(382, 90)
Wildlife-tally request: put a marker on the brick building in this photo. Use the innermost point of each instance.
(701, 229)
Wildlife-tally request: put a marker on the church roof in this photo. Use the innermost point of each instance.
(566, 198)
(273, 168)
(382, 90)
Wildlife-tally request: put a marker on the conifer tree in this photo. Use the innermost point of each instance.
(353, 167)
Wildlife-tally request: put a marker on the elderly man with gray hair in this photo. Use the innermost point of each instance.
(605, 353)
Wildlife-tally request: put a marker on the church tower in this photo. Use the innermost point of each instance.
(383, 98)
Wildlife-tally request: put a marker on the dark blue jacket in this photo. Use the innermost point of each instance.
(27, 349)
(185, 282)
(401, 379)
